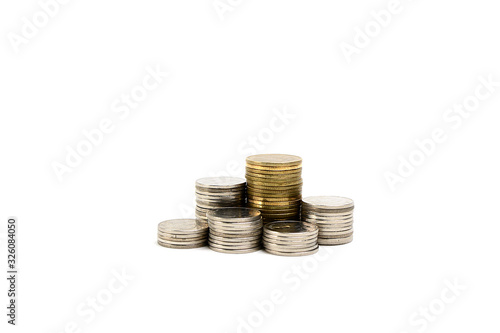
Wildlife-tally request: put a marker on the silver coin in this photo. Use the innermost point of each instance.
(290, 248)
(183, 242)
(327, 212)
(177, 238)
(214, 198)
(235, 226)
(237, 190)
(334, 227)
(329, 220)
(239, 246)
(241, 214)
(291, 236)
(291, 228)
(233, 234)
(289, 241)
(235, 246)
(285, 237)
(189, 246)
(336, 234)
(328, 202)
(335, 241)
(220, 182)
(235, 239)
(322, 231)
(292, 254)
(213, 206)
(325, 216)
(182, 226)
(235, 251)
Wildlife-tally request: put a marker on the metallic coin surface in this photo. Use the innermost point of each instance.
(220, 182)
(292, 254)
(335, 241)
(239, 214)
(182, 226)
(236, 240)
(290, 248)
(190, 246)
(328, 202)
(291, 228)
(274, 159)
(235, 251)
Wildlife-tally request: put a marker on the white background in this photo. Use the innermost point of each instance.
(350, 123)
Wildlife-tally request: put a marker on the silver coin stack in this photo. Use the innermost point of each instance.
(218, 192)
(333, 216)
(290, 238)
(182, 233)
(235, 230)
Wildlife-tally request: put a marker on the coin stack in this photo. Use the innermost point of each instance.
(291, 238)
(218, 192)
(274, 185)
(334, 217)
(182, 233)
(235, 230)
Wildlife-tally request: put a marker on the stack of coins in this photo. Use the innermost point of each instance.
(235, 230)
(182, 233)
(291, 238)
(274, 185)
(217, 192)
(334, 217)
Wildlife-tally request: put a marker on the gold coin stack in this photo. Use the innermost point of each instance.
(333, 216)
(274, 186)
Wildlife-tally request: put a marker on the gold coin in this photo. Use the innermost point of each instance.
(274, 160)
(270, 192)
(270, 172)
(273, 199)
(274, 203)
(275, 175)
(273, 181)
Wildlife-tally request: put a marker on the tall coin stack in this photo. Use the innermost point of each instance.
(291, 238)
(235, 230)
(218, 192)
(274, 185)
(333, 216)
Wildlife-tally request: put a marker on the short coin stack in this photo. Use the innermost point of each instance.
(291, 238)
(274, 185)
(217, 192)
(182, 233)
(235, 230)
(334, 217)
